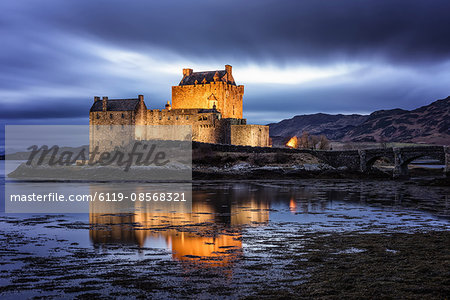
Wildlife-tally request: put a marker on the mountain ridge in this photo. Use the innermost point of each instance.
(426, 124)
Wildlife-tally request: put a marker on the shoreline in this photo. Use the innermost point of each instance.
(240, 171)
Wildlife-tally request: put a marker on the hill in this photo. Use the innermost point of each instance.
(427, 124)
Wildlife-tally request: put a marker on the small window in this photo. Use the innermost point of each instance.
(187, 117)
(123, 116)
(176, 118)
(110, 116)
(168, 118)
(98, 116)
(160, 117)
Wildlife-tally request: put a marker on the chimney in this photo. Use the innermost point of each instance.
(187, 72)
(228, 69)
(96, 99)
(141, 99)
(104, 103)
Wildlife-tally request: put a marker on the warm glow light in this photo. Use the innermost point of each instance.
(292, 205)
(292, 143)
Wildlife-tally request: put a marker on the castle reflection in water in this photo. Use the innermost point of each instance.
(211, 234)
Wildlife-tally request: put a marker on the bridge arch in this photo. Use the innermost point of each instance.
(409, 160)
(371, 161)
(405, 156)
(425, 155)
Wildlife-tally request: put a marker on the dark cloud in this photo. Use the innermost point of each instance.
(319, 31)
(51, 65)
(56, 108)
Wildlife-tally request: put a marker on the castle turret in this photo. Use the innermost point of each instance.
(96, 99)
(168, 106)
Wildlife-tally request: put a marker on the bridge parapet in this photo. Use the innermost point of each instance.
(355, 160)
(363, 160)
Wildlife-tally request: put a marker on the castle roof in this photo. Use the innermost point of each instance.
(205, 77)
(116, 105)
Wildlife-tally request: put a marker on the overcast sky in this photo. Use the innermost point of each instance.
(294, 57)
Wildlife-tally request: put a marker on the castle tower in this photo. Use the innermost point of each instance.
(204, 90)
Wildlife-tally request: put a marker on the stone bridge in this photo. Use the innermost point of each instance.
(356, 160)
(363, 160)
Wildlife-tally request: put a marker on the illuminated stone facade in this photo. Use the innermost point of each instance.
(208, 90)
(210, 102)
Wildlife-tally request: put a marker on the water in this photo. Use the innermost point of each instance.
(239, 236)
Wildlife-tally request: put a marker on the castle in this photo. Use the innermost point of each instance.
(210, 102)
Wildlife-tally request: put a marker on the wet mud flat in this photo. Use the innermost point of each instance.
(325, 265)
(371, 266)
(254, 240)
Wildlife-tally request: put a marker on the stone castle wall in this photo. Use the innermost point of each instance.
(112, 118)
(104, 127)
(205, 126)
(208, 126)
(250, 135)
